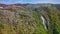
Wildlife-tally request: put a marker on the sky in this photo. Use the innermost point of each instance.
(29, 1)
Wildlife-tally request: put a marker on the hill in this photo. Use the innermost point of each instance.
(30, 19)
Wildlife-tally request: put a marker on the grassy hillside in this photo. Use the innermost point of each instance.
(26, 19)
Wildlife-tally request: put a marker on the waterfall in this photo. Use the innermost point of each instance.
(44, 22)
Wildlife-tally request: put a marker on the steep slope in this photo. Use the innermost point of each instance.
(29, 19)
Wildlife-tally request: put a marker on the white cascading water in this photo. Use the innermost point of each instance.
(44, 22)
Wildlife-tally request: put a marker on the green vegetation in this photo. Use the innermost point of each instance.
(53, 20)
(18, 20)
(23, 15)
(1, 25)
(39, 29)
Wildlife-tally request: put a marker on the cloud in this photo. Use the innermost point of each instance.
(28, 1)
(55, 1)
